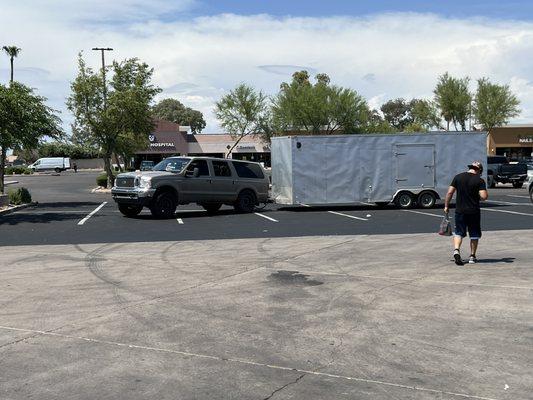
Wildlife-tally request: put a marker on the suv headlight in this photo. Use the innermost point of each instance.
(145, 182)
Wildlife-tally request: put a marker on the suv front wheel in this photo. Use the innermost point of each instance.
(245, 202)
(164, 205)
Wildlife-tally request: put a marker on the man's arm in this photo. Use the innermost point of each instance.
(483, 194)
(448, 198)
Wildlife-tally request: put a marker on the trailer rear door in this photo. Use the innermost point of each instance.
(415, 166)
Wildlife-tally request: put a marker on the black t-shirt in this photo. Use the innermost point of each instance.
(467, 186)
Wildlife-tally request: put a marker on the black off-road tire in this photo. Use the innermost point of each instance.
(164, 205)
(129, 210)
(404, 200)
(211, 208)
(245, 202)
(427, 199)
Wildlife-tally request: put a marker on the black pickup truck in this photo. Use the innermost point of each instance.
(511, 173)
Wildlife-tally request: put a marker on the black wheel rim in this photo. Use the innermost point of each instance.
(405, 200)
(426, 200)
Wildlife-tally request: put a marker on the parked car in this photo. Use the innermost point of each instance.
(56, 164)
(493, 163)
(530, 187)
(147, 165)
(515, 173)
(209, 182)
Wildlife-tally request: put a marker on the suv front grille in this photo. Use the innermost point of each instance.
(125, 182)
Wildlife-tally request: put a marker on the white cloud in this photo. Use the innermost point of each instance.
(382, 56)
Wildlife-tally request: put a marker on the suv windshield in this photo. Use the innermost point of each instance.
(172, 164)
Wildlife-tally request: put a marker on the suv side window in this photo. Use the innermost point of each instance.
(201, 165)
(248, 170)
(221, 168)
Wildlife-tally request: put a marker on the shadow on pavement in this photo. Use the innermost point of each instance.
(39, 218)
(68, 204)
(506, 260)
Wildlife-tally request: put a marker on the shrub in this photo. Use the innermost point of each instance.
(18, 169)
(101, 180)
(19, 196)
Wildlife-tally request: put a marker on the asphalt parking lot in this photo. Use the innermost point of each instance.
(65, 202)
(348, 302)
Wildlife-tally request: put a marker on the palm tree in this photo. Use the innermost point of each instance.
(12, 52)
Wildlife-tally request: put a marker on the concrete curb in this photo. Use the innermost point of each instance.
(16, 208)
(10, 182)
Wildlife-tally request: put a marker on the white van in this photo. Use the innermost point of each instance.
(56, 164)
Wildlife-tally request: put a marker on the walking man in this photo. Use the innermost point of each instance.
(470, 189)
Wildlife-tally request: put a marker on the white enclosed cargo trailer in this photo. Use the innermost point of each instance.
(408, 169)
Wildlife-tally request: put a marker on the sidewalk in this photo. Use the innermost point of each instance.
(370, 317)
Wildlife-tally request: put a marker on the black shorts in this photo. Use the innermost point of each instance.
(468, 222)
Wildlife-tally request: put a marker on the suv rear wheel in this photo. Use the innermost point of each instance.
(211, 208)
(164, 205)
(518, 185)
(129, 210)
(245, 202)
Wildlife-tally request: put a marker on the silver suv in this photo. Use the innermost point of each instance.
(209, 182)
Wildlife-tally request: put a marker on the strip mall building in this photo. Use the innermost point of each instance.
(513, 141)
(169, 139)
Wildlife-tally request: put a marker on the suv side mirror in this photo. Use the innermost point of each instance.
(196, 172)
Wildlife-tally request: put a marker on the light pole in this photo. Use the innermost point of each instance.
(103, 50)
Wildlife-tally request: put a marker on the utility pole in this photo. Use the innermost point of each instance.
(103, 49)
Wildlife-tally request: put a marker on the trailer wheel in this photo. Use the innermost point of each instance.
(57, 170)
(404, 200)
(427, 199)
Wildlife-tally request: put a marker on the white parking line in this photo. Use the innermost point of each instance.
(347, 215)
(180, 221)
(424, 213)
(92, 213)
(508, 212)
(504, 202)
(266, 217)
(515, 195)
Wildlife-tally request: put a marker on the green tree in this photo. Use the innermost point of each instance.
(375, 123)
(319, 108)
(424, 114)
(494, 104)
(174, 111)
(12, 52)
(454, 100)
(24, 119)
(243, 112)
(126, 112)
(397, 113)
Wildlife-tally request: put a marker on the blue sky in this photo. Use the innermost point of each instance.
(201, 49)
(502, 9)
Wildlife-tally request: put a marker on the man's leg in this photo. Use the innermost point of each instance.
(459, 234)
(473, 246)
(457, 242)
(474, 229)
